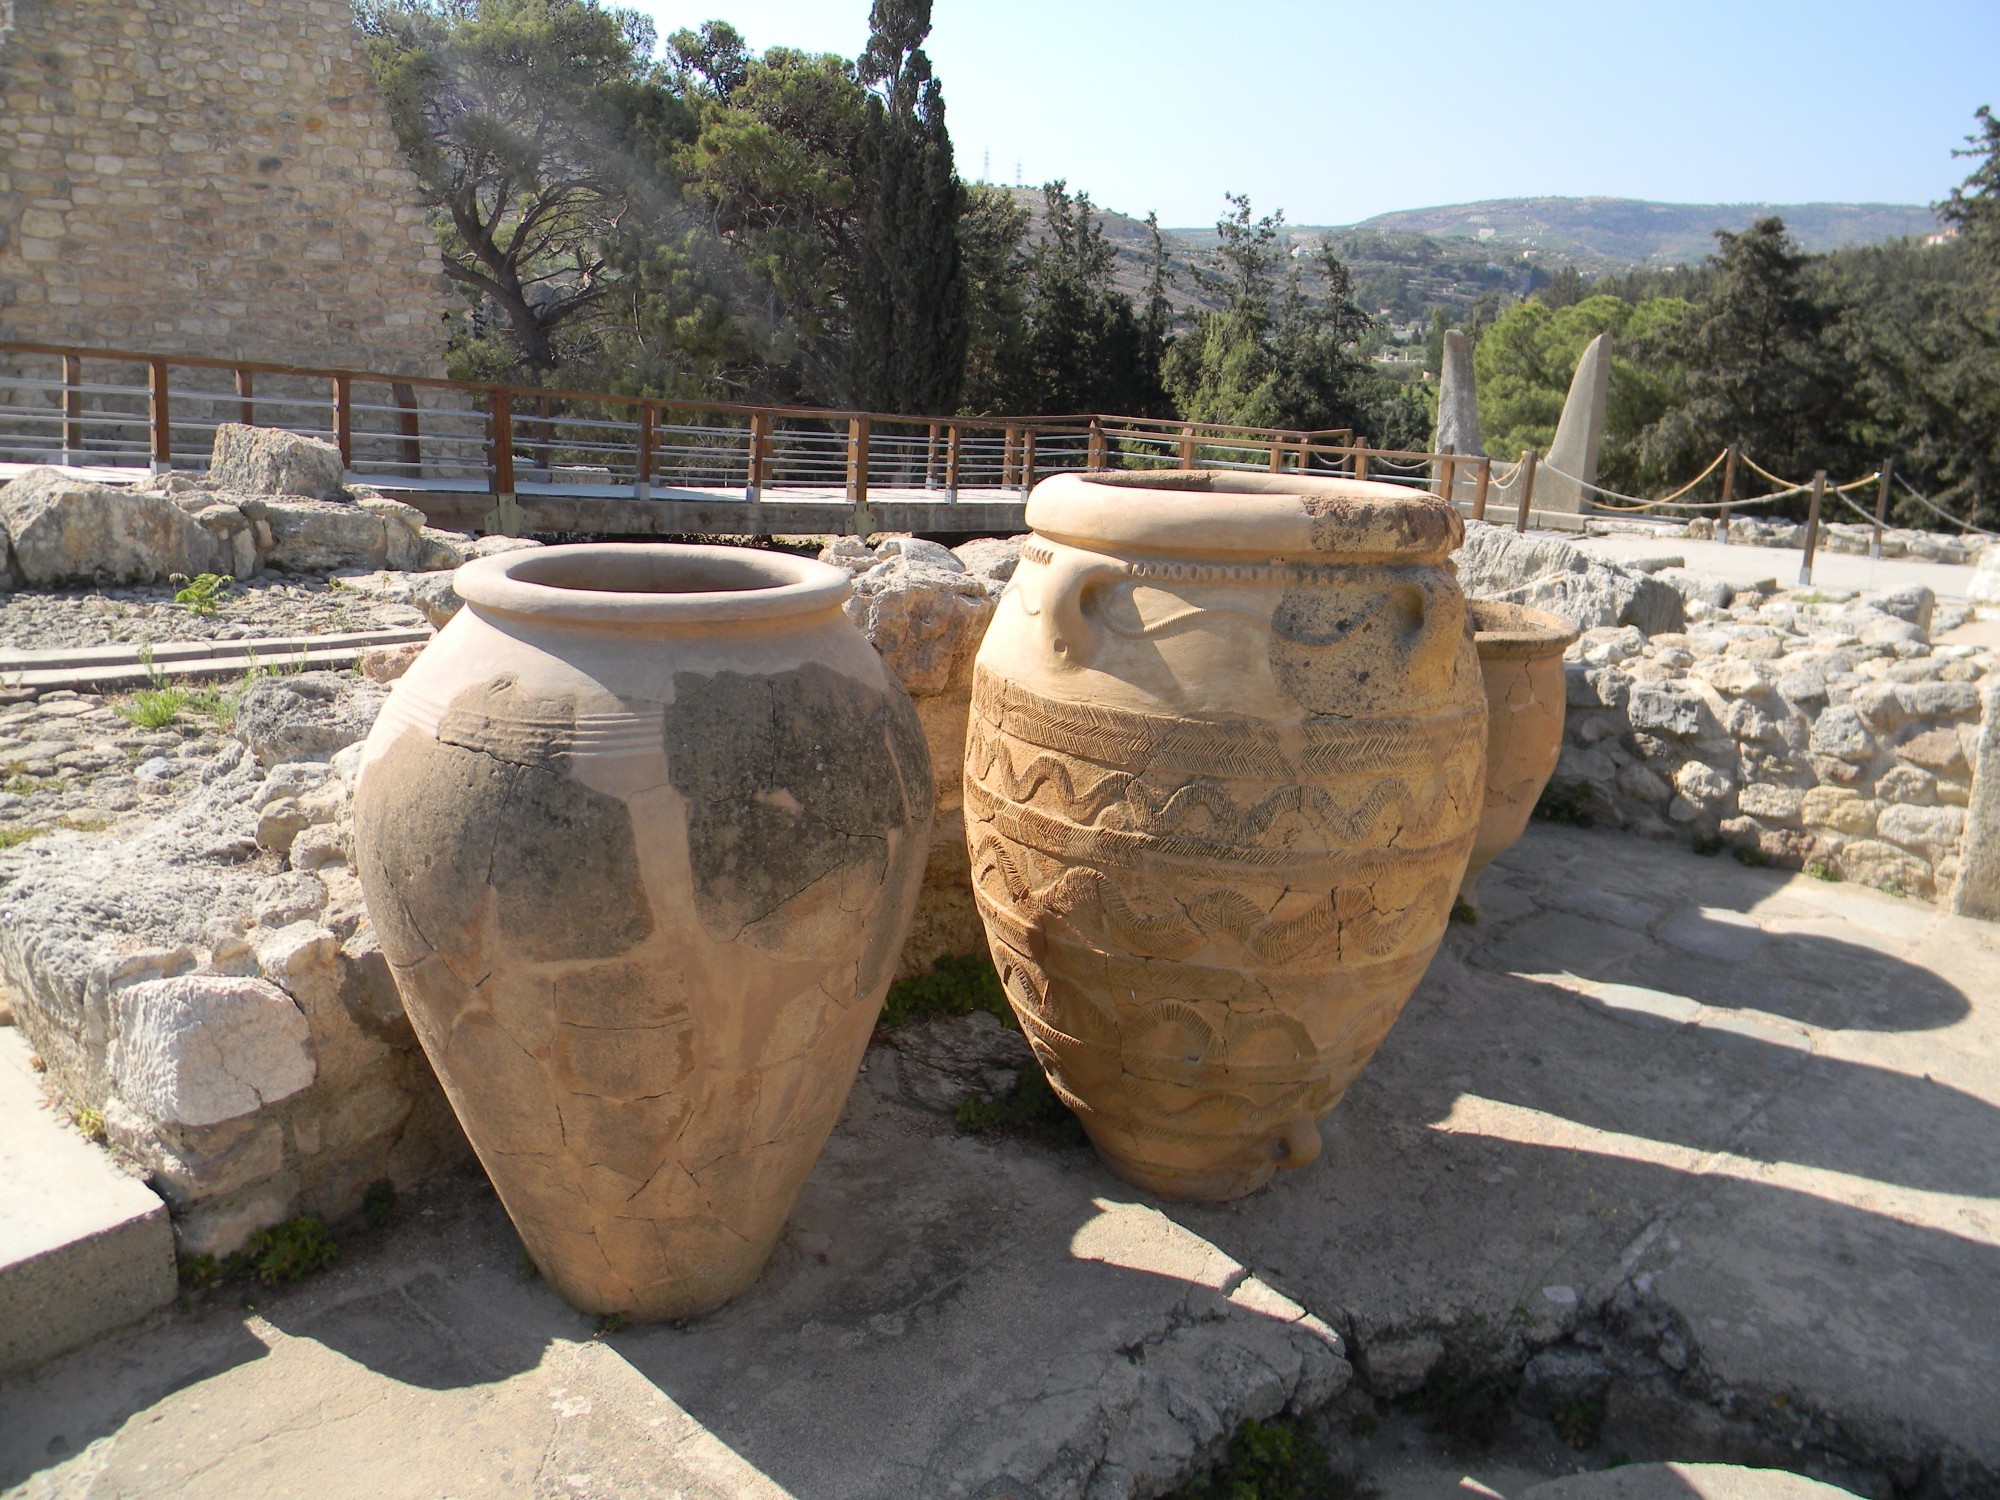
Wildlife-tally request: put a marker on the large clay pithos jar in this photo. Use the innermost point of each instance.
(640, 833)
(1521, 660)
(1222, 776)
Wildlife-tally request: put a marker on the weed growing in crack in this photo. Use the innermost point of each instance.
(1276, 1460)
(378, 1203)
(199, 1272)
(13, 838)
(1032, 1106)
(953, 987)
(1750, 855)
(1578, 1423)
(285, 1252)
(1707, 845)
(610, 1323)
(526, 1268)
(1465, 1405)
(1819, 869)
(91, 1123)
(154, 707)
(1565, 805)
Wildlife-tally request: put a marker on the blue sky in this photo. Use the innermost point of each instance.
(1338, 111)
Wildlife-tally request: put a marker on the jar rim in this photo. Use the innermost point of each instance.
(1263, 515)
(649, 583)
(1502, 629)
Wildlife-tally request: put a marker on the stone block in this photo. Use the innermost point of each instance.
(64, 530)
(1665, 709)
(1937, 750)
(1837, 808)
(306, 715)
(271, 461)
(1884, 866)
(1840, 733)
(1773, 804)
(1932, 832)
(202, 1048)
(320, 536)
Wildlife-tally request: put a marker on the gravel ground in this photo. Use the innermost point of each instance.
(73, 761)
(267, 605)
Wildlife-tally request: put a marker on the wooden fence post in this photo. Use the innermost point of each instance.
(1812, 526)
(1480, 485)
(246, 391)
(1728, 492)
(156, 405)
(1187, 448)
(1447, 472)
(1098, 455)
(72, 407)
(642, 476)
(1277, 455)
(1361, 458)
(953, 450)
(930, 458)
(1027, 461)
(1881, 505)
(1526, 474)
(857, 459)
(412, 428)
(343, 420)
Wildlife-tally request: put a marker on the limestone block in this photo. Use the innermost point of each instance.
(387, 663)
(65, 530)
(203, 1048)
(1932, 832)
(1938, 750)
(1914, 604)
(991, 557)
(1907, 784)
(308, 715)
(1642, 784)
(1840, 733)
(1871, 862)
(1775, 804)
(1976, 890)
(1734, 676)
(1837, 808)
(940, 1062)
(1704, 786)
(1937, 700)
(926, 620)
(321, 536)
(432, 594)
(1595, 687)
(1880, 705)
(1666, 709)
(271, 461)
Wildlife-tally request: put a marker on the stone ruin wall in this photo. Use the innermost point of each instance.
(211, 177)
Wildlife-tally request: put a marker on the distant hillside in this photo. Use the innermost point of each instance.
(1600, 234)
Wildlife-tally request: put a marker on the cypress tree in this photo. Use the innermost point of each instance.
(906, 306)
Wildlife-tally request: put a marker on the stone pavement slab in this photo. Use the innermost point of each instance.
(1713, 1145)
(1743, 564)
(84, 1249)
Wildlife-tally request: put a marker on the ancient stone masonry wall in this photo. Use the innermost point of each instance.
(212, 177)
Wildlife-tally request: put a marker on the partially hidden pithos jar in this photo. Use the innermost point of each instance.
(1222, 776)
(1521, 661)
(641, 832)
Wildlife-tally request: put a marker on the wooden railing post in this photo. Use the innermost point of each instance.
(1305, 453)
(1480, 485)
(1010, 439)
(1881, 505)
(642, 479)
(952, 451)
(343, 420)
(72, 408)
(246, 405)
(1361, 458)
(931, 457)
(1728, 492)
(500, 444)
(760, 455)
(1187, 448)
(411, 427)
(1097, 455)
(161, 423)
(1812, 526)
(857, 473)
(1277, 455)
(1027, 461)
(1447, 471)
(1526, 474)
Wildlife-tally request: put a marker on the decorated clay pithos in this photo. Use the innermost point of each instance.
(640, 833)
(1222, 778)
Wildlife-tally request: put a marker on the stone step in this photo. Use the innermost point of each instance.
(84, 1249)
(1686, 1482)
(96, 668)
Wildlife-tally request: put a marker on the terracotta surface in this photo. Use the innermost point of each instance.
(1521, 659)
(640, 833)
(1222, 776)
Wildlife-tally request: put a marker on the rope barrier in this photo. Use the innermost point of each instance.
(1750, 463)
(1645, 505)
(1939, 510)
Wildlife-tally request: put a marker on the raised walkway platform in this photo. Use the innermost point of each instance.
(1730, 1138)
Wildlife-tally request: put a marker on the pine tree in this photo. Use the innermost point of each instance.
(906, 307)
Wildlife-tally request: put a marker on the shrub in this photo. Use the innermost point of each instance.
(953, 987)
(285, 1252)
